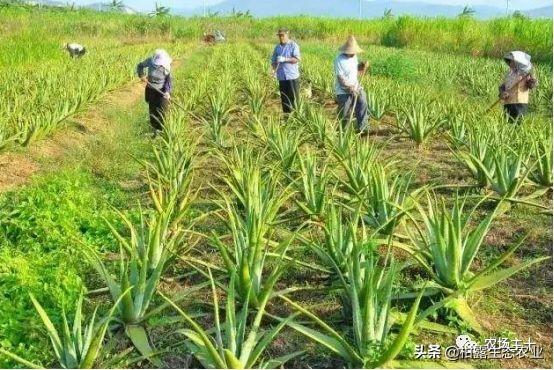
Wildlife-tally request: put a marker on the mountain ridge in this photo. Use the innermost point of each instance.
(342, 9)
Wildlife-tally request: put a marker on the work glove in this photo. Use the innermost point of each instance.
(281, 59)
(167, 96)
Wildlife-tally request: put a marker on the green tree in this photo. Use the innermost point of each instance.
(160, 11)
(467, 12)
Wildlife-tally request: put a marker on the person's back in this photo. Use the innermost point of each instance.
(158, 86)
(156, 74)
(219, 37)
(75, 50)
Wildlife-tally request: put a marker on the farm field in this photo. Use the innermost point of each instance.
(240, 238)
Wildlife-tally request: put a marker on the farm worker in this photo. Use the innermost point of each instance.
(219, 36)
(75, 50)
(514, 91)
(158, 86)
(284, 63)
(351, 98)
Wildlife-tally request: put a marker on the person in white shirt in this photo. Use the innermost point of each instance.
(75, 50)
(351, 98)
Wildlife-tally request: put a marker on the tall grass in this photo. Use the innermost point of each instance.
(468, 36)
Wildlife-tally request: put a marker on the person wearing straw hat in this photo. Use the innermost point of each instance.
(350, 96)
(514, 91)
(158, 86)
(284, 63)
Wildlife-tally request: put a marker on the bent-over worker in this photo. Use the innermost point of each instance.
(515, 88)
(75, 50)
(158, 86)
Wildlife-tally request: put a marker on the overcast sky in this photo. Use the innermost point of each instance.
(149, 4)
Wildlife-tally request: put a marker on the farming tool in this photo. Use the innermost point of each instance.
(161, 92)
(363, 67)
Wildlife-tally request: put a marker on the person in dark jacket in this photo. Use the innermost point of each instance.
(158, 86)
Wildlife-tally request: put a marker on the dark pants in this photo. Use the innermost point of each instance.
(289, 90)
(157, 106)
(515, 111)
(360, 112)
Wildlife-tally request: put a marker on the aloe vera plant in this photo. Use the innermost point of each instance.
(220, 105)
(506, 170)
(312, 185)
(542, 157)
(420, 122)
(366, 288)
(257, 95)
(236, 343)
(143, 258)
(251, 224)
(477, 156)
(77, 347)
(317, 124)
(387, 199)
(284, 143)
(357, 168)
(446, 248)
(376, 107)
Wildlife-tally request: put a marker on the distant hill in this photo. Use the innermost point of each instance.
(105, 7)
(545, 12)
(95, 6)
(350, 8)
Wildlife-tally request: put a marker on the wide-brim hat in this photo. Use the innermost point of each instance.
(522, 60)
(351, 46)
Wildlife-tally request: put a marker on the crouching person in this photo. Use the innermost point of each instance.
(158, 86)
(351, 98)
(515, 88)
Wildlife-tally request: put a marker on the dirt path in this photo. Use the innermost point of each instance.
(18, 166)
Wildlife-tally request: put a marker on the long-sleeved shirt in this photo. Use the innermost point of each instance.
(346, 73)
(158, 77)
(516, 86)
(286, 71)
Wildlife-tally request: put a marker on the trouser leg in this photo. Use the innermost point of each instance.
(156, 114)
(362, 114)
(515, 112)
(294, 93)
(289, 92)
(344, 102)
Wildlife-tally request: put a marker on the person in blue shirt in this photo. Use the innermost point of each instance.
(284, 62)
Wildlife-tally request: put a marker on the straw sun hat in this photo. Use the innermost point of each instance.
(351, 46)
